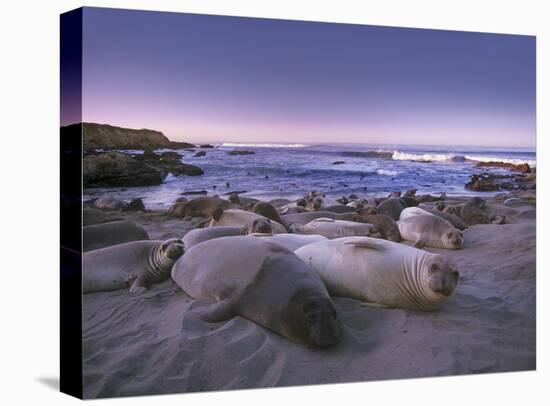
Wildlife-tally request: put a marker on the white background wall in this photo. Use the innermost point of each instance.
(29, 222)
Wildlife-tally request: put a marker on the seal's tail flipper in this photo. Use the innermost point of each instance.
(216, 312)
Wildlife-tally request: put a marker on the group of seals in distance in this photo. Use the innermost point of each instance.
(278, 263)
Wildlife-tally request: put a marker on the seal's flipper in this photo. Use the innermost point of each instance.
(323, 220)
(136, 285)
(216, 312)
(376, 305)
(370, 244)
(419, 243)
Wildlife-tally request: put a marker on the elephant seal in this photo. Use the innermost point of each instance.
(96, 216)
(200, 207)
(340, 208)
(321, 203)
(331, 228)
(303, 218)
(279, 202)
(358, 204)
(267, 210)
(199, 235)
(474, 211)
(382, 273)
(114, 232)
(413, 211)
(293, 210)
(387, 227)
(263, 282)
(291, 241)
(241, 218)
(109, 203)
(430, 230)
(136, 264)
(456, 221)
(392, 207)
(241, 201)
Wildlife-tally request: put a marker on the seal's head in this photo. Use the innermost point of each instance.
(452, 210)
(393, 235)
(368, 210)
(261, 225)
(317, 203)
(301, 202)
(439, 205)
(453, 239)
(361, 203)
(442, 276)
(172, 248)
(316, 322)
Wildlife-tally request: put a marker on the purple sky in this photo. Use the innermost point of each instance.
(210, 78)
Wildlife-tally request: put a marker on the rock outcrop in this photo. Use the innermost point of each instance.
(523, 168)
(237, 152)
(118, 169)
(108, 137)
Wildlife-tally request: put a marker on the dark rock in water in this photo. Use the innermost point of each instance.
(118, 169)
(482, 183)
(237, 152)
(194, 192)
(136, 205)
(206, 146)
(488, 182)
(199, 154)
(227, 184)
(168, 162)
(338, 162)
(523, 168)
(353, 196)
(190, 170)
(104, 136)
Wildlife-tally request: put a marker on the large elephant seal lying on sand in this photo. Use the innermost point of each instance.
(291, 241)
(431, 231)
(259, 226)
(263, 282)
(334, 228)
(111, 233)
(136, 264)
(382, 273)
(241, 218)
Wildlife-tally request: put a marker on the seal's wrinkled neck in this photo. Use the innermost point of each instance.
(415, 282)
(159, 262)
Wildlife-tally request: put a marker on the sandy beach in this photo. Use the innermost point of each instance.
(147, 343)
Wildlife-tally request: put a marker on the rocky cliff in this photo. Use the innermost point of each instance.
(106, 136)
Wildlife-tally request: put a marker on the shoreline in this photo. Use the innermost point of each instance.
(488, 326)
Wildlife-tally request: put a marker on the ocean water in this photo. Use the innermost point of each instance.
(291, 170)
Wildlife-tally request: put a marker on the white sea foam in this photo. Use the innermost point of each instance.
(386, 172)
(237, 144)
(405, 156)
